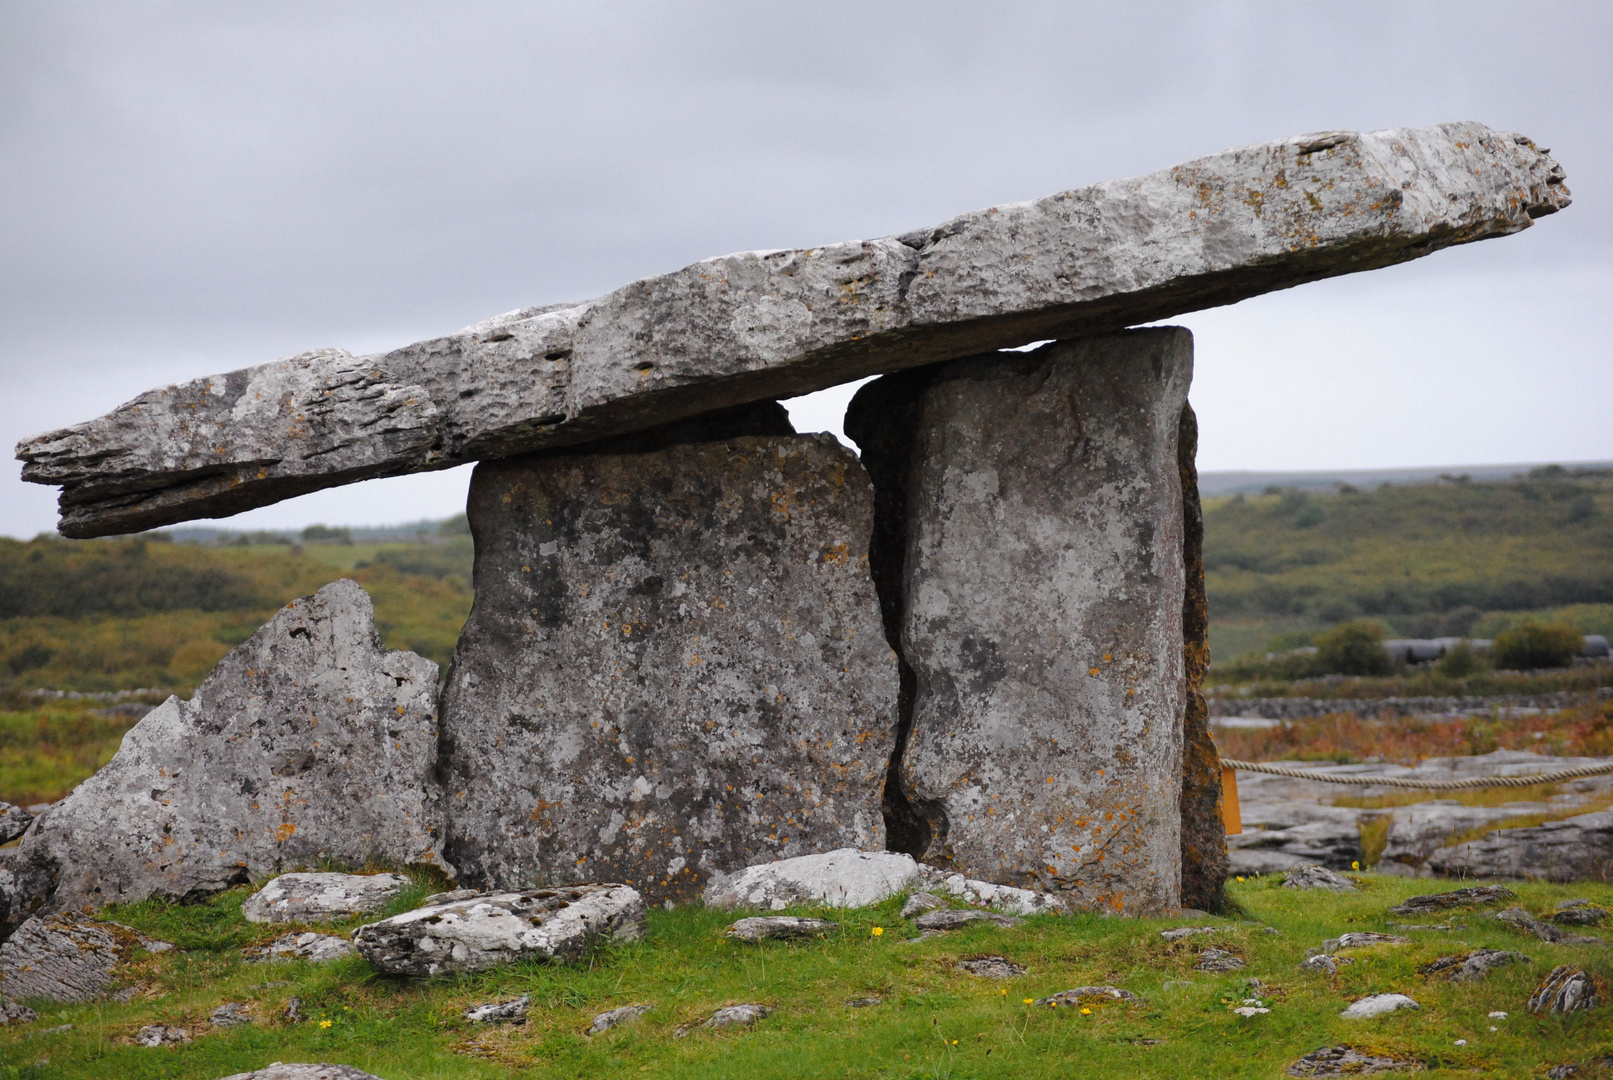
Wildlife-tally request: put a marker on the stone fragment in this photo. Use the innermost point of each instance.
(67, 957)
(1181, 932)
(280, 1071)
(675, 666)
(774, 324)
(863, 1002)
(14, 821)
(308, 744)
(952, 918)
(1218, 961)
(1347, 1061)
(1473, 897)
(449, 897)
(27, 879)
(500, 1012)
(493, 929)
(725, 1017)
(1316, 877)
(1325, 962)
(991, 967)
(1088, 996)
(1250, 1010)
(159, 1035)
(1042, 752)
(1362, 939)
(1567, 989)
(317, 948)
(919, 903)
(292, 1013)
(231, 1014)
(1378, 1005)
(779, 928)
(1471, 967)
(1586, 915)
(313, 897)
(1005, 898)
(14, 1012)
(843, 878)
(627, 1014)
(1522, 921)
(1574, 849)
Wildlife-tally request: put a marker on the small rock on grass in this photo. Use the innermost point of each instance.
(14, 821)
(292, 1013)
(281, 1071)
(1311, 876)
(627, 1014)
(1218, 961)
(946, 919)
(1325, 962)
(779, 928)
(311, 897)
(863, 1002)
(231, 1014)
(12, 1012)
(1088, 996)
(1378, 1005)
(1519, 919)
(1581, 914)
(1431, 902)
(1188, 931)
(991, 967)
(1566, 989)
(1471, 967)
(919, 903)
(318, 948)
(500, 1012)
(1346, 1061)
(1251, 1010)
(1362, 939)
(726, 1017)
(155, 1035)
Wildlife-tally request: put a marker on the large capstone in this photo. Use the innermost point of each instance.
(1034, 506)
(674, 667)
(310, 744)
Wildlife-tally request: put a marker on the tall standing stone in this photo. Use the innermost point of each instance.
(1041, 598)
(674, 666)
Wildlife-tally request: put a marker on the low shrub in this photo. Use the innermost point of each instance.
(1353, 648)
(1532, 645)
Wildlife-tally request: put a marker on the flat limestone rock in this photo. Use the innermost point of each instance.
(317, 948)
(991, 967)
(846, 877)
(674, 668)
(494, 929)
(779, 928)
(952, 918)
(1521, 920)
(1219, 961)
(1378, 1005)
(1330, 844)
(1312, 876)
(67, 957)
(758, 325)
(1362, 939)
(1030, 548)
(1473, 966)
(919, 903)
(1087, 996)
(1348, 1061)
(280, 1071)
(1574, 849)
(308, 744)
(305, 897)
(500, 1012)
(1476, 896)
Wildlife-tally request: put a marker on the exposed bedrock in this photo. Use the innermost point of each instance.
(675, 665)
(309, 744)
(758, 325)
(1030, 547)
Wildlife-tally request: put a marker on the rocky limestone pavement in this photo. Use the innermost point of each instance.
(155, 1036)
(1567, 989)
(307, 897)
(675, 666)
(1219, 961)
(779, 928)
(1332, 845)
(1332, 1061)
(14, 1012)
(1047, 479)
(493, 929)
(310, 743)
(1088, 996)
(1378, 1005)
(953, 918)
(14, 821)
(1524, 922)
(1473, 966)
(68, 957)
(500, 1012)
(615, 1018)
(282, 1071)
(1311, 876)
(1575, 849)
(1433, 903)
(315, 948)
(991, 967)
(726, 1017)
(1417, 833)
(770, 324)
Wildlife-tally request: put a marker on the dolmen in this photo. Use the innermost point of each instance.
(702, 642)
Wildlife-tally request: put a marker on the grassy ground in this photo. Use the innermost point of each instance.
(933, 1021)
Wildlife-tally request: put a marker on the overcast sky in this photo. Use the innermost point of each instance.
(187, 188)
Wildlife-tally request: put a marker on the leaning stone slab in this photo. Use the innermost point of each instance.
(1574, 849)
(67, 957)
(309, 743)
(1031, 533)
(674, 667)
(305, 897)
(774, 324)
(1567, 989)
(494, 929)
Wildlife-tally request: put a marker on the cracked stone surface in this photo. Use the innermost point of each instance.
(309, 744)
(68, 957)
(1575, 849)
(305, 897)
(675, 666)
(779, 928)
(758, 325)
(1039, 601)
(1347, 1061)
(494, 929)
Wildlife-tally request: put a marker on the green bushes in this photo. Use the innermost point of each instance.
(1353, 648)
(1532, 645)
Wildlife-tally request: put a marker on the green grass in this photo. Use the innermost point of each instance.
(934, 1021)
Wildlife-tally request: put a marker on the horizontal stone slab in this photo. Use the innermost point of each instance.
(770, 324)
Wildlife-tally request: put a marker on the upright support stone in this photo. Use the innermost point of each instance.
(1204, 841)
(1041, 610)
(674, 667)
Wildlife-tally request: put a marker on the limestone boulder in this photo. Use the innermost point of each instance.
(310, 897)
(309, 744)
(68, 957)
(1575, 849)
(843, 878)
(1032, 536)
(494, 929)
(674, 668)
